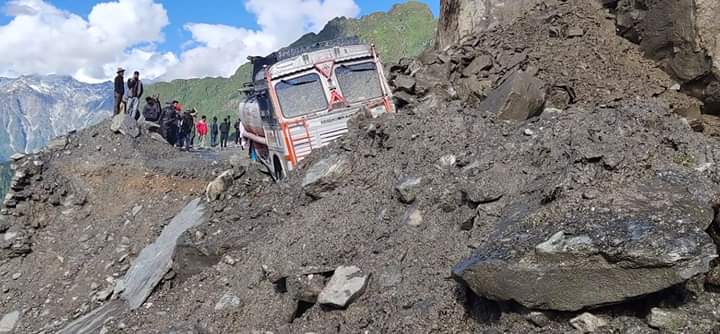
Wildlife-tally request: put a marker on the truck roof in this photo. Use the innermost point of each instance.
(289, 60)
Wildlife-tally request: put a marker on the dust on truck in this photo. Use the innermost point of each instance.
(302, 98)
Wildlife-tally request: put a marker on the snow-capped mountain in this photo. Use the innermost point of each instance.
(35, 109)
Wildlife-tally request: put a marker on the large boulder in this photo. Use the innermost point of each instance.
(682, 35)
(567, 256)
(217, 187)
(520, 97)
(325, 176)
(126, 125)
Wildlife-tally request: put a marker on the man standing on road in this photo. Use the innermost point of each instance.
(119, 90)
(135, 92)
(224, 132)
(214, 129)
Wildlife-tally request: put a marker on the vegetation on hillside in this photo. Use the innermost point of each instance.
(405, 31)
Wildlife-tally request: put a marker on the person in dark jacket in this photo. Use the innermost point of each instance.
(169, 123)
(224, 132)
(151, 112)
(214, 129)
(187, 125)
(119, 90)
(135, 92)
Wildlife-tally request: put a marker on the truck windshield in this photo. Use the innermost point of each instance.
(359, 82)
(301, 96)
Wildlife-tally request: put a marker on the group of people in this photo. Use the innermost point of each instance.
(185, 128)
(129, 104)
(180, 128)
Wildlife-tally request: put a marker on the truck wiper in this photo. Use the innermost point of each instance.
(295, 82)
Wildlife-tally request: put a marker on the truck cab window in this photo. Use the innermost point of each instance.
(301, 96)
(359, 82)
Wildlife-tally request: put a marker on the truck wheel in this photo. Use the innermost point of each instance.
(277, 166)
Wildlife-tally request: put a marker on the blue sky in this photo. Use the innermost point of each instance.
(230, 12)
(182, 39)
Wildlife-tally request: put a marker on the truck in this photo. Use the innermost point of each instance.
(300, 99)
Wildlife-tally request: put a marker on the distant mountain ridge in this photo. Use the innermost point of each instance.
(405, 31)
(35, 109)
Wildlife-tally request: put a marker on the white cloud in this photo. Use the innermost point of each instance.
(219, 49)
(44, 39)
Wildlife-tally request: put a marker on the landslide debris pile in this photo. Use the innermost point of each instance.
(571, 47)
(78, 212)
(555, 199)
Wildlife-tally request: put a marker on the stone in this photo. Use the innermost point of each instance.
(575, 32)
(158, 137)
(476, 86)
(538, 319)
(448, 160)
(104, 294)
(479, 64)
(9, 236)
(8, 322)
(403, 98)
(713, 277)
(305, 288)
(156, 259)
(345, 286)
(668, 320)
(561, 244)
(59, 143)
(130, 127)
(325, 176)
(588, 323)
(228, 301)
(126, 125)
(408, 188)
(413, 217)
(136, 209)
(520, 97)
(529, 132)
(220, 185)
(17, 156)
(404, 83)
(16, 276)
(631, 248)
(116, 123)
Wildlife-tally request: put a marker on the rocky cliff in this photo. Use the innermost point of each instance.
(460, 18)
(35, 109)
(681, 36)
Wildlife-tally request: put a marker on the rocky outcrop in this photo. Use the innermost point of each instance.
(460, 18)
(683, 36)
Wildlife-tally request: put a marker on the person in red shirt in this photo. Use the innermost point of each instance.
(202, 130)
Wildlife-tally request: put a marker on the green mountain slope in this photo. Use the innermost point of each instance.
(405, 31)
